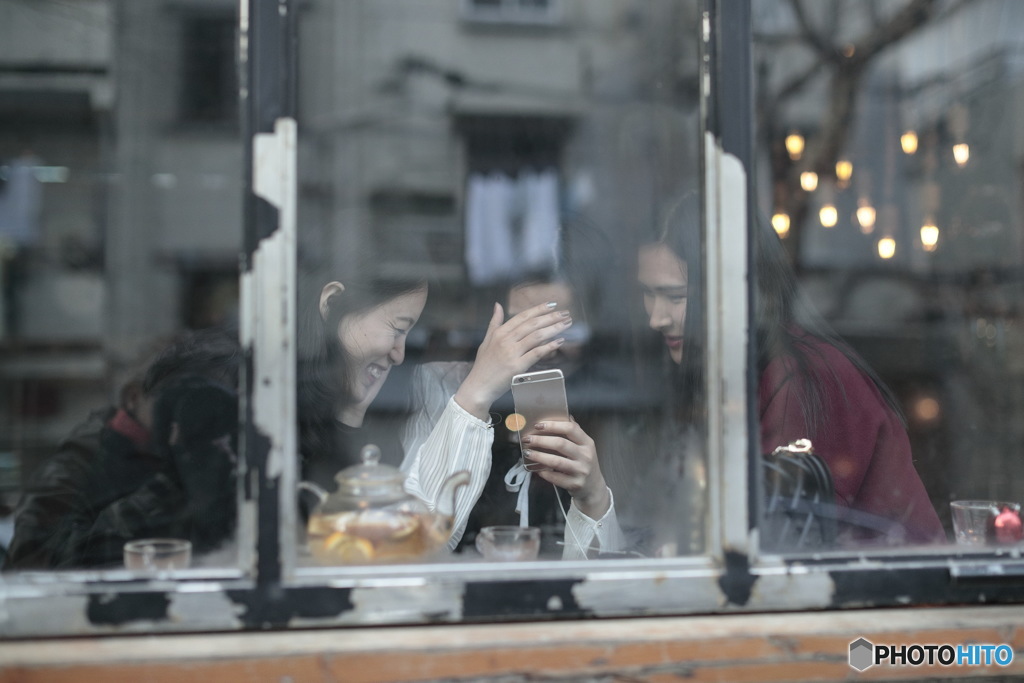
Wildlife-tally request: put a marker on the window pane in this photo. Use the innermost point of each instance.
(454, 177)
(120, 223)
(890, 165)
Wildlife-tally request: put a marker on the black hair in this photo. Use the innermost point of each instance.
(194, 385)
(785, 325)
(213, 353)
(323, 364)
(679, 231)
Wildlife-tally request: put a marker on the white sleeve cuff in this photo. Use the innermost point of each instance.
(583, 534)
(459, 441)
(462, 412)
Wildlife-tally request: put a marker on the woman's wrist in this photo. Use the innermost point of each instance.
(474, 402)
(596, 504)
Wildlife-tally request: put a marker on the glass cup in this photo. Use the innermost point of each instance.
(973, 519)
(160, 554)
(508, 543)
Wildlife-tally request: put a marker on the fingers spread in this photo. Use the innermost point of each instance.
(533, 356)
(541, 321)
(496, 317)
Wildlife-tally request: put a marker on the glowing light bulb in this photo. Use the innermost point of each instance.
(795, 145)
(962, 154)
(886, 247)
(927, 409)
(828, 215)
(908, 141)
(780, 222)
(866, 217)
(844, 169)
(809, 181)
(929, 236)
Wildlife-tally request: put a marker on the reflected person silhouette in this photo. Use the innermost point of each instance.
(161, 464)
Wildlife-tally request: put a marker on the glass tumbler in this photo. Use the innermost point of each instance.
(508, 543)
(973, 520)
(160, 554)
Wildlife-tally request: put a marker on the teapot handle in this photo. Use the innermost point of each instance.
(314, 489)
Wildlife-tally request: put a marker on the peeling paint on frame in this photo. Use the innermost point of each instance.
(726, 247)
(408, 604)
(622, 596)
(210, 609)
(270, 286)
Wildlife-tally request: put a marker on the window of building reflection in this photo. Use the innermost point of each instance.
(463, 165)
(119, 236)
(906, 111)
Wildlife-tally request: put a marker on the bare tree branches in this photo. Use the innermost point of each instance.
(914, 15)
(810, 36)
(847, 65)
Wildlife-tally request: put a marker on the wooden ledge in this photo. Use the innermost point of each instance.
(737, 647)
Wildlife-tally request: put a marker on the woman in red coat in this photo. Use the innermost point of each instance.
(811, 385)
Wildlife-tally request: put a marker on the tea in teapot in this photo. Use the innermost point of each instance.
(372, 519)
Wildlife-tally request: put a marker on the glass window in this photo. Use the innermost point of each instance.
(209, 82)
(120, 234)
(496, 274)
(889, 167)
(476, 208)
(513, 11)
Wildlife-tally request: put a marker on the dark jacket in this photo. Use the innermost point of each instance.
(104, 487)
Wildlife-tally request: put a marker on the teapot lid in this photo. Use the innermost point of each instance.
(371, 479)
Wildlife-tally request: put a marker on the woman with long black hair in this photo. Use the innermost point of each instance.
(811, 385)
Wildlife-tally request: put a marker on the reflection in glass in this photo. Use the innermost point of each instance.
(120, 226)
(795, 146)
(908, 141)
(476, 186)
(931, 301)
(809, 181)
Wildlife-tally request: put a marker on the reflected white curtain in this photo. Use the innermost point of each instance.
(541, 243)
(512, 225)
(490, 256)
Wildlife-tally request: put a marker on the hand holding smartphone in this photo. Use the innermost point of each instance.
(538, 396)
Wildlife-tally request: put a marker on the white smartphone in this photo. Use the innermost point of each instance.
(538, 396)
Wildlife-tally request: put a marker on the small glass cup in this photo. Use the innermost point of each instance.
(973, 519)
(159, 554)
(509, 543)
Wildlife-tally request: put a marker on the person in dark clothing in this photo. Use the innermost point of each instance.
(161, 464)
(586, 381)
(351, 338)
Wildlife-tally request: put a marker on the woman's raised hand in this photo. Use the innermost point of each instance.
(571, 457)
(508, 349)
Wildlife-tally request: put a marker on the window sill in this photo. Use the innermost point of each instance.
(763, 647)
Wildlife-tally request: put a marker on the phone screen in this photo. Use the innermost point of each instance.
(538, 396)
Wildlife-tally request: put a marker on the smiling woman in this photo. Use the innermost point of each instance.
(372, 342)
(352, 334)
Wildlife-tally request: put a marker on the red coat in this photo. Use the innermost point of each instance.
(862, 440)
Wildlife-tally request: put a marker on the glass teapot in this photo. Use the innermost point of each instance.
(371, 519)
